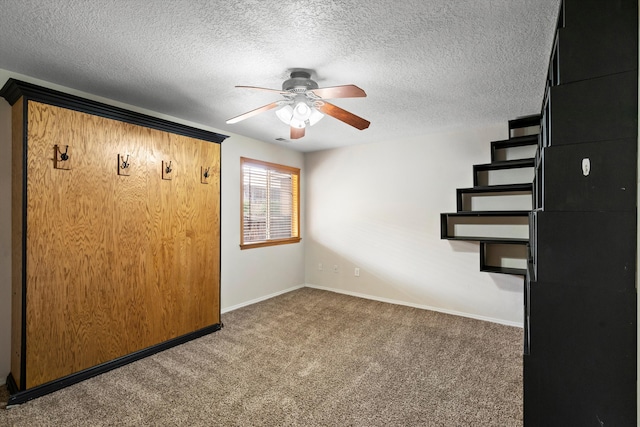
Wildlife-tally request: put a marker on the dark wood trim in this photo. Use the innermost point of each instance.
(14, 89)
(11, 384)
(32, 393)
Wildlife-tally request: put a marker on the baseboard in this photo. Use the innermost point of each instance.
(421, 306)
(256, 300)
(17, 397)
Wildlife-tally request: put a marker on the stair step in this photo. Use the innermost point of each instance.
(518, 148)
(505, 270)
(497, 188)
(528, 125)
(508, 197)
(497, 226)
(516, 142)
(504, 257)
(504, 172)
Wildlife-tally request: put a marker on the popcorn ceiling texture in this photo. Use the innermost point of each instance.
(427, 66)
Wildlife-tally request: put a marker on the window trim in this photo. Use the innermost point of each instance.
(295, 172)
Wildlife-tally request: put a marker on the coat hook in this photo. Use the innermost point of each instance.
(64, 156)
(168, 168)
(61, 159)
(125, 163)
(206, 172)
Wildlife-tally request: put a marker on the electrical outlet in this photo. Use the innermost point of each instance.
(335, 268)
(319, 266)
(356, 272)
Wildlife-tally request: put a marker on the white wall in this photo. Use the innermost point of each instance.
(377, 207)
(252, 274)
(246, 275)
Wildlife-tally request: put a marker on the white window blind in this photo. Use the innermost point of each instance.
(269, 203)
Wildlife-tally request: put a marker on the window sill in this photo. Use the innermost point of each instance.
(270, 243)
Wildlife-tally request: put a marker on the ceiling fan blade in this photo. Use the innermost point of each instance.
(297, 132)
(346, 91)
(282, 92)
(344, 116)
(253, 112)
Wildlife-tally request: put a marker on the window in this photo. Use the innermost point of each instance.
(270, 204)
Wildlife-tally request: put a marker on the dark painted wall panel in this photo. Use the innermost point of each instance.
(594, 249)
(609, 186)
(599, 109)
(590, 44)
(573, 352)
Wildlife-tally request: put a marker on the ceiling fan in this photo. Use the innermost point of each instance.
(304, 104)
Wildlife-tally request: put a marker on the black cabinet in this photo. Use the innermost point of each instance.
(581, 365)
(598, 38)
(609, 185)
(580, 295)
(599, 109)
(591, 249)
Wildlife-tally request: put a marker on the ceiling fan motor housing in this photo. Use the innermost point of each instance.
(300, 82)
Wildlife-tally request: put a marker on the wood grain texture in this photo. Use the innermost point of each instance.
(115, 263)
(17, 181)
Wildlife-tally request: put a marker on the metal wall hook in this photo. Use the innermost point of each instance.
(64, 156)
(125, 163)
(206, 172)
(168, 167)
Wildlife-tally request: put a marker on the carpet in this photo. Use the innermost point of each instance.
(308, 358)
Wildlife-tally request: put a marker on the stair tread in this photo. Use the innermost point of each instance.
(488, 213)
(516, 141)
(505, 270)
(507, 164)
(496, 188)
(525, 121)
(487, 239)
(524, 242)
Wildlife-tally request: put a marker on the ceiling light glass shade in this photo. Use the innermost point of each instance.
(315, 116)
(301, 111)
(285, 114)
(297, 123)
(299, 116)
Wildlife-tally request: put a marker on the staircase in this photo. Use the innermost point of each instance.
(495, 211)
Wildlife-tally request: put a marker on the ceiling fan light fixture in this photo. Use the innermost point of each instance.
(295, 123)
(299, 115)
(304, 104)
(315, 117)
(285, 114)
(301, 111)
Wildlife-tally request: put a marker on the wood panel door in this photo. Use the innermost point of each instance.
(115, 263)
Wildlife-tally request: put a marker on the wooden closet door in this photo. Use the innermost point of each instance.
(114, 264)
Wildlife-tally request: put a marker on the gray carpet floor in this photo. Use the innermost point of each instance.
(308, 358)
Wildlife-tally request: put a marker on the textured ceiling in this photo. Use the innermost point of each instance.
(427, 66)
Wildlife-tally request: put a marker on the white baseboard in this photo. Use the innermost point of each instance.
(421, 306)
(253, 301)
